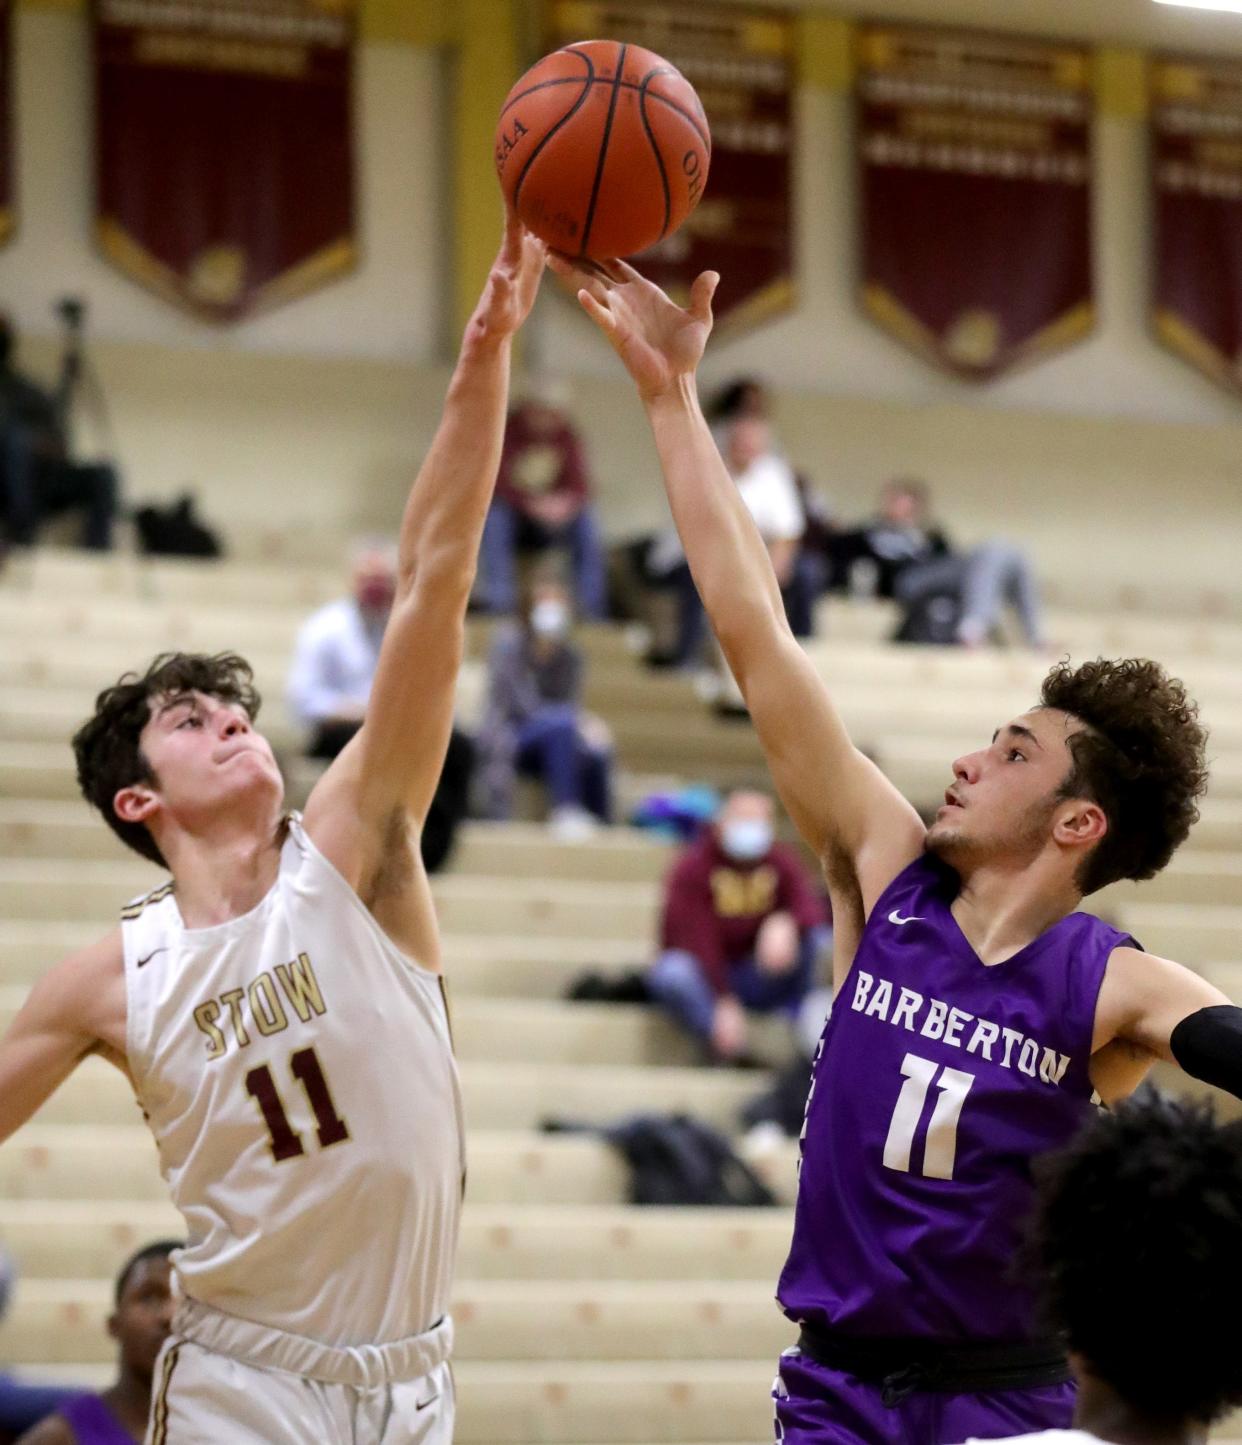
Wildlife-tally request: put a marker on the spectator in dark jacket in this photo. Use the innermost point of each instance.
(542, 500)
(913, 562)
(742, 929)
(38, 478)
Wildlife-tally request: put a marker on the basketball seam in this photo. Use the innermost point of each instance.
(655, 151)
(592, 79)
(603, 151)
(560, 80)
(586, 82)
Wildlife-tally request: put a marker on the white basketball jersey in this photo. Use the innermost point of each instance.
(298, 1074)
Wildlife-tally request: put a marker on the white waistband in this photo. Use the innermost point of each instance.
(364, 1366)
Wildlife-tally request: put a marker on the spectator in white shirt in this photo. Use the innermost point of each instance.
(337, 649)
(330, 681)
(768, 487)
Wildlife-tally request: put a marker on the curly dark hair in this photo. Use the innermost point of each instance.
(1139, 755)
(1138, 1236)
(107, 749)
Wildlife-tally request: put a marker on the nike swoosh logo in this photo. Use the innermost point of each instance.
(142, 962)
(895, 917)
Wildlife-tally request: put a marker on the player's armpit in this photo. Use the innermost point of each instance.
(76, 1009)
(1144, 999)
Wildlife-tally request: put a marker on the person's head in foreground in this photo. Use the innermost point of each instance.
(174, 754)
(1138, 1237)
(143, 1309)
(746, 826)
(1096, 783)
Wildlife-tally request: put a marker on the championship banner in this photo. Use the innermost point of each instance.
(224, 147)
(7, 185)
(740, 60)
(1196, 149)
(975, 162)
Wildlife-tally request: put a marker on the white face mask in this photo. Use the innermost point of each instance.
(746, 839)
(549, 618)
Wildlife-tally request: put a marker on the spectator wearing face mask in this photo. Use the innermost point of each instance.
(534, 724)
(330, 681)
(543, 500)
(743, 926)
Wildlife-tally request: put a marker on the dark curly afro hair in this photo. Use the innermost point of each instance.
(1138, 1236)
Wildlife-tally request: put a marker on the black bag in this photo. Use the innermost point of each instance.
(174, 531)
(932, 620)
(674, 1159)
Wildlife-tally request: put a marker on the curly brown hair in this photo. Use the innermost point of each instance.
(1139, 754)
(107, 748)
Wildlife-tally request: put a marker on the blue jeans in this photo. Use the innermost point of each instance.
(679, 982)
(551, 748)
(507, 530)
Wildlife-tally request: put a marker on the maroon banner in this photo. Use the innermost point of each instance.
(975, 162)
(1196, 151)
(7, 179)
(224, 147)
(740, 60)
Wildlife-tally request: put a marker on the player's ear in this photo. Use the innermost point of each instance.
(1080, 822)
(134, 804)
(112, 1326)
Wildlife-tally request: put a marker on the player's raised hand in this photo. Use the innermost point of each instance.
(512, 284)
(658, 341)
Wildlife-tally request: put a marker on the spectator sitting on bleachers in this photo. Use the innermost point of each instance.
(22, 1403)
(769, 488)
(542, 500)
(140, 1323)
(534, 722)
(38, 478)
(330, 680)
(742, 930)
(947, 596)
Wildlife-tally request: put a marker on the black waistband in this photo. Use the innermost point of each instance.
(955, 1367)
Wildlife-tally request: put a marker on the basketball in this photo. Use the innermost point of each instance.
(602, 149)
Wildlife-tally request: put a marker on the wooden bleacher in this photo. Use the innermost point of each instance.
(581, 1319)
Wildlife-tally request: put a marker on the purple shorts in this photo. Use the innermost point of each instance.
(819, 1406)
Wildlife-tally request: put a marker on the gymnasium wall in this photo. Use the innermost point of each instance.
(1113, 460)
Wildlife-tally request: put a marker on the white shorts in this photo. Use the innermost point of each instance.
(205, 1395)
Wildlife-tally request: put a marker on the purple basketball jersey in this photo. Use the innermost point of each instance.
(937, 1080)
(93, 1423)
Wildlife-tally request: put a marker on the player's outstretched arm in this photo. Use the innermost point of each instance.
(76, 1009)
(840, 801)
(394, 762)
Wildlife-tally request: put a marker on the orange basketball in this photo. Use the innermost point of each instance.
(602, 148)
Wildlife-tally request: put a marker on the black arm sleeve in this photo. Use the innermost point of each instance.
(1208, 1045)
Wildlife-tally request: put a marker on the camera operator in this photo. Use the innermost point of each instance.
(38, 479)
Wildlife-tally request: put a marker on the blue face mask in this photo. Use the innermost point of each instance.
(746, 839)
